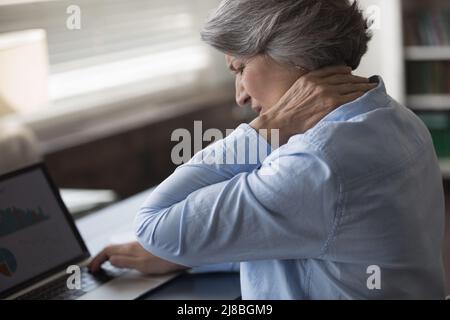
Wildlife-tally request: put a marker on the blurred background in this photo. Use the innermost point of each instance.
(95, 88)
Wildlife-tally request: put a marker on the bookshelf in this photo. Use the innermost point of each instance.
(426, 38)
(445, 167)
(424, 53)
(429, 102)
(410, 49)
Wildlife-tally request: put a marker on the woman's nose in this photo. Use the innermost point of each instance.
(242, 97)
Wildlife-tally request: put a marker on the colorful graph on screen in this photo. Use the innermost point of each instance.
(13, 219)
(8, 263)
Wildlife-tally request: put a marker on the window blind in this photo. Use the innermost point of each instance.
(114, 34)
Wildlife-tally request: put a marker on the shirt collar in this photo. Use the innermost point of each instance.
(371, 100)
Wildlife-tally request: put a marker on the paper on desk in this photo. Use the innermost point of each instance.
(78, 200)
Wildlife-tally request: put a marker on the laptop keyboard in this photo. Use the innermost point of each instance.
(57, 289)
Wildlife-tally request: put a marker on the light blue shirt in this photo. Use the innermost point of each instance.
(352, 209)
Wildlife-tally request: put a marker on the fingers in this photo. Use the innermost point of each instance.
(105, 254)
(350, 97)
(344, 89)
(98, 260)
(127, 262)
(330, 71)
(344, 79)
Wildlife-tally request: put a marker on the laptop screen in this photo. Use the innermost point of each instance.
(37, 234)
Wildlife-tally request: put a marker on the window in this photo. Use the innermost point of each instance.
(150, 44)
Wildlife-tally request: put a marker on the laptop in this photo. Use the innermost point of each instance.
(42, 254)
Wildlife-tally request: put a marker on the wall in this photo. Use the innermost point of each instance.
(385, 55)
(134, 160)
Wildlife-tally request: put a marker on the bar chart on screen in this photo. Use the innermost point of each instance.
(13, 219)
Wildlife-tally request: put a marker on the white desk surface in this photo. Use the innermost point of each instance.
(114, 224)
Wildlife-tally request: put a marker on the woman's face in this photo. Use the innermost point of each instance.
(260, 81)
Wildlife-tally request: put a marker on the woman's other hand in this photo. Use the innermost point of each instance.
(133, 256)
(310, 99)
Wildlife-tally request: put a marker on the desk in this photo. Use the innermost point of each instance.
(114, 224)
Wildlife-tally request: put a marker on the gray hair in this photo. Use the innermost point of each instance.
(307, 33)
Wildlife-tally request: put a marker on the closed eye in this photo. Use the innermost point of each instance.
(235, 71)
(241, 69)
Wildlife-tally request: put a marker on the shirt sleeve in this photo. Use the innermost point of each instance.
(221, 267)
(211, 211)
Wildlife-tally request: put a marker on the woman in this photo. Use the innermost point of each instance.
(351, 203)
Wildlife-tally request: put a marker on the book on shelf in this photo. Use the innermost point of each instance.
(428, 28)
(428, 77)
(439, 125)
